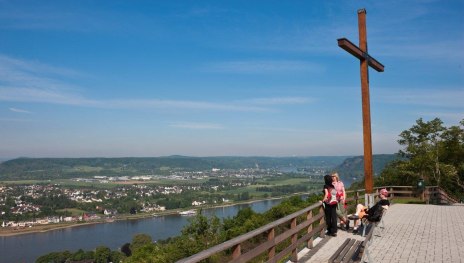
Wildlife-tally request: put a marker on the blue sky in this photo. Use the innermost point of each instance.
(214, 78)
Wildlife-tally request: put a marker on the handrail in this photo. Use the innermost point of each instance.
(438, 194)
(233, 243)
(314, 225)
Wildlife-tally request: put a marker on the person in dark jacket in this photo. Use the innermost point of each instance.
(330, 205)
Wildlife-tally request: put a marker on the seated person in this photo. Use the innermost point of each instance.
(362, 211)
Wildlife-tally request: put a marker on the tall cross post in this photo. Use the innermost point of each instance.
(366, 61)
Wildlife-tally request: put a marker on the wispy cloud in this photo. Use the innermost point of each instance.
(448, 98)
(25, 81)
(177, 104)
(450, 50)
(52, 18)
(264, 67)
(280, 101)
(29, 68)
(196, 126)
(19, 110)
(56, 96)
(32, 81)
(44, 95)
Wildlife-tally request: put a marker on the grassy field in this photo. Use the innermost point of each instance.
(84, 169)
(286, 181)
(27, 182)
(69, 182)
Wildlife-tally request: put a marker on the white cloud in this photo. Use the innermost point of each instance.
(19, 110)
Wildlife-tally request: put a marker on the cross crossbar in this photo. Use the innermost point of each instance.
(351, 48)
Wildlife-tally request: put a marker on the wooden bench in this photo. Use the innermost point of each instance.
(352, 250)
(346, 252)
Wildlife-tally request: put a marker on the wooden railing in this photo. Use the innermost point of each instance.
(283, 238)
(313, 225)
(436, 195)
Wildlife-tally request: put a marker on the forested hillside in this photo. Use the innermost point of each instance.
(352, 168)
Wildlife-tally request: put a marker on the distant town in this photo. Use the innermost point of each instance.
(106, 198)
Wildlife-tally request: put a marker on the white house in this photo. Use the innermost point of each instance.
(195, 203)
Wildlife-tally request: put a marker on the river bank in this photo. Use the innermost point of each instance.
(28, 247)
(10, 231)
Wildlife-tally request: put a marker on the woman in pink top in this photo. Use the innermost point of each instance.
(341, 211)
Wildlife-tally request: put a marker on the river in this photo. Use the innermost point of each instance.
(27, 247)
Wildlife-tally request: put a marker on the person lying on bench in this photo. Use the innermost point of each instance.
(362, 211)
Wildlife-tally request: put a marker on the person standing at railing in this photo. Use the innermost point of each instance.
(341, 206)
(330, 206)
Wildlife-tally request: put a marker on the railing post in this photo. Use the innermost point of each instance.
(309, 215)
(271, 251)
(294, 256)
(237, 251)
(392, 194)
(427, 195)
(441, 197)
(356, 197)
(322, 222)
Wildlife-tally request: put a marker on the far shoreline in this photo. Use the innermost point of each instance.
(51, 227)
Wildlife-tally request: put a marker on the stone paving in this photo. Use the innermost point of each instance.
(413, 233)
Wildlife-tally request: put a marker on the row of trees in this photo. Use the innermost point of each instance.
(431, 152)
(101, 254)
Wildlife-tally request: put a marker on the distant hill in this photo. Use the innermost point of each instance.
(352, 168)
(51, 168)
(4, 159)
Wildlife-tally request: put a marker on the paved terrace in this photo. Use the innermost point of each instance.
(413, 233)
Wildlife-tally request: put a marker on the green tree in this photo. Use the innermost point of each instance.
(421, 147)
(201, 233)
(453, 155)
(55, 257)
(139, 241)
(430, 152)
(126, 249)
(151, 253)
(117, 256)
(102, 254)
(79, 255)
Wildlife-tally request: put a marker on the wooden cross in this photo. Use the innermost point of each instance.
(366, 61)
